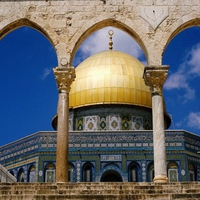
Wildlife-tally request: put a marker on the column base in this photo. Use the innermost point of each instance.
(160, 179)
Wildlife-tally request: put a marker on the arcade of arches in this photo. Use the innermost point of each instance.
(66, 24)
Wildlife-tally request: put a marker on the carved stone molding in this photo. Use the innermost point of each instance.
(154, 15)
(155, 76)
(64, 77)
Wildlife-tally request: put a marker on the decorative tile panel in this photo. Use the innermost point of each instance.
(91, 123)
(78, 171)
(79, 124)
(114, 123)
(125, 123)
(137, 123)
(102, 123)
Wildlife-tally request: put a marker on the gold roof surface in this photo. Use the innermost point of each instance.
(109, 77)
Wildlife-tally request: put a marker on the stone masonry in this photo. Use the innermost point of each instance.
(67, 23)
(100, 191)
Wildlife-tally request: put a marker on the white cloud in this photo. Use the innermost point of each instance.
(180, 81)
(194, 62)
(46, 72)
(194, 120)
(186, 72)
(98, 42)
(176, 81)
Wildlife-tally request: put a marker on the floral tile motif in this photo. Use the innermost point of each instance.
(79, 124)
(91, 123)
(125, 123)
(102, 123)
(114, 122)
(137, 123)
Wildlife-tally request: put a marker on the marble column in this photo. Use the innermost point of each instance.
(155, 76)
(64, 77)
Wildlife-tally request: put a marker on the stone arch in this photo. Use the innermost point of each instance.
(178, 27)
(49, 34)
(81, 35)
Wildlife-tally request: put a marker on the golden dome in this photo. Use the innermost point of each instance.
(109, 77)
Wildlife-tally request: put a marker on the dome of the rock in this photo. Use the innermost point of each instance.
(109, 77)
(109, 93)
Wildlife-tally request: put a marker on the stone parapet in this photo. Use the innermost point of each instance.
(6, 176)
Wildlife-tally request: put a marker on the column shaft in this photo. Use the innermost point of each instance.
(160, 168)
(64, 77)
(155, 77)
(62, 138)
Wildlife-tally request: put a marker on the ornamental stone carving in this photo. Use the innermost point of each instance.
(155, 76)
(64, 77)
(64, 62)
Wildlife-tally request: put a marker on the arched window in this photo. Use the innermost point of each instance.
(50, 173)
(151, 172)
(133, 172)
(87, 172)
(191, 172)
(31, 174)
(21, 176)
(172, 172)
(71, 173)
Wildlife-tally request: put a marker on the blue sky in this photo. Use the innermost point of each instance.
(28, 88)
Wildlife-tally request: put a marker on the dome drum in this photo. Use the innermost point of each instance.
(110, 117)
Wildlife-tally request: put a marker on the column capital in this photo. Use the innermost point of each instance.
(155, 76)
(64, 77)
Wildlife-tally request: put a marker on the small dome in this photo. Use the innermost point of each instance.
(109, 77)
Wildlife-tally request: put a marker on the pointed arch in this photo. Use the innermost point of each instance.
(21, 175)
(172, 169)
(111, 176)
(32, 174)
(179, 26)
(49, 34)
(81, 35)
(87, 175)
(191, 172)
(50, 172)
(133, 172)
